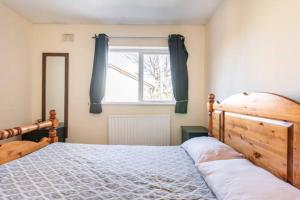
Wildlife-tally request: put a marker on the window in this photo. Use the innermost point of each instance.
(138, 75)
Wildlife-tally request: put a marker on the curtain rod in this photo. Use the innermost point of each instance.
(135, 37)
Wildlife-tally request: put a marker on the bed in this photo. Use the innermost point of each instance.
(81, 171)
(264, 127)
(53, 170)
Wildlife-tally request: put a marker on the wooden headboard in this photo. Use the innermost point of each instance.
(264, 127)
(16, 149)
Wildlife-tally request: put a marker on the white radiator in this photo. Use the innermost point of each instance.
(139, 130)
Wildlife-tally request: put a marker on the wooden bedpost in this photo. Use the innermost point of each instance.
(17, 149)
(210, 104)
(55, 123)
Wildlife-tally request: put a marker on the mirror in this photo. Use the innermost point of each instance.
(55, 86)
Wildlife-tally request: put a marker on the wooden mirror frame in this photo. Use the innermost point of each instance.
(44, 75)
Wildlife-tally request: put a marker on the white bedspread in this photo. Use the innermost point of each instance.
(77, 171)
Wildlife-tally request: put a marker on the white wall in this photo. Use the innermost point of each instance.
(254, 45)
(15, 59)
(89, 128)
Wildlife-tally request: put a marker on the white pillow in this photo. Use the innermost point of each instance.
(203, 149)
(239, 179)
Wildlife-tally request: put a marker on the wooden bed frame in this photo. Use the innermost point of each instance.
(16, 149)
(264, 127)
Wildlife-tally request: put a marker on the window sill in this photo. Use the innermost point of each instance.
(140, 103)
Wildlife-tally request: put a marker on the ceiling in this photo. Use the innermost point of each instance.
(115, 11)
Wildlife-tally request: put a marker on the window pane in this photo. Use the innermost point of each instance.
(122, 77)
(157, 78)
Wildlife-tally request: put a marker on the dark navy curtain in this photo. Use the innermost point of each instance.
(179, 73)
(97, 88)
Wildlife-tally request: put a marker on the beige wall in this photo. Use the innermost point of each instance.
(15, 59)
(251, 46)
(254, 45)
(88, 128)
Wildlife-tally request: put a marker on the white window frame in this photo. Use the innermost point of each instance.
(141, 52)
